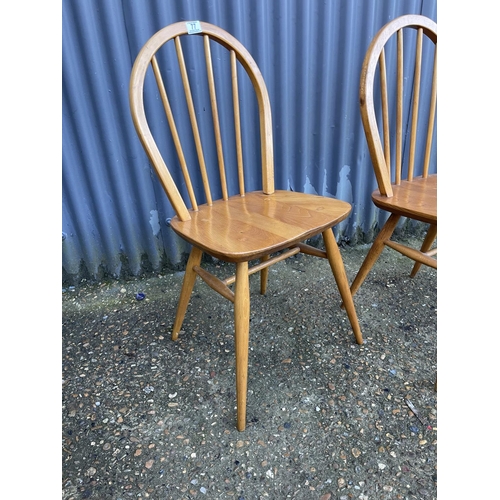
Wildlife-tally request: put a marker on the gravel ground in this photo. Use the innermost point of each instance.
(145, 417)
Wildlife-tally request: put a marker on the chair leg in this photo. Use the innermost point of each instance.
(426, 245)
(241, 335)
(263, 276)
(187, 288)
(338, 269)
(375, 251)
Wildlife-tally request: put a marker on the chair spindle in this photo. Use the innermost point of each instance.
(416, 100)
(432, 117)
(237, 122)
(399, 110)
(192, 117)
(215, 116)
(173, 130)
(385, 111)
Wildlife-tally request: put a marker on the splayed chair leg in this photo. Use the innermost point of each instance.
(375, 251)
(187, 288)
(337, 265)
(241, 336)
(426, 245)
(263, 276)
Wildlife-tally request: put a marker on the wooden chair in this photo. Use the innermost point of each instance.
(398, 121)
(264, 226)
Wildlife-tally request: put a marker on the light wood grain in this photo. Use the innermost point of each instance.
(241, 337)
(245, 228)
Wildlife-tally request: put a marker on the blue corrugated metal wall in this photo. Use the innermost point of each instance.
(310, 54)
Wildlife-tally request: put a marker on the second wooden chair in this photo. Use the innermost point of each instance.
(398, 112)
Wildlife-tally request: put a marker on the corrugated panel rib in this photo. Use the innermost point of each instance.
(310, 53)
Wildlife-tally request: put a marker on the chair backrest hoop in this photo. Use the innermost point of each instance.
(375, 55)
(146, 57)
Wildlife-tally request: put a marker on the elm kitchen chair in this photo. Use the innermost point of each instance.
(251, 228)
(403, 191)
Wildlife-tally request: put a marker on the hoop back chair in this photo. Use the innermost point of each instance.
(252, 229)
(399, 122)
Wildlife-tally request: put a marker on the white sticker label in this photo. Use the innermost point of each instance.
(193, 27)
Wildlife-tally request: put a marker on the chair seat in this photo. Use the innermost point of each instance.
(416, 199)
(251, 226)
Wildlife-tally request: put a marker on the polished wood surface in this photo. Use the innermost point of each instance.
(266, 225)
(249, 227)
(402, 191)
(416, 199)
